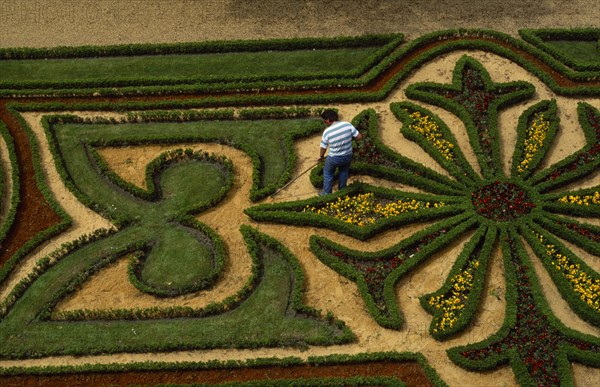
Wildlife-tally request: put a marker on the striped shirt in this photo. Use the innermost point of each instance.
(338, 137)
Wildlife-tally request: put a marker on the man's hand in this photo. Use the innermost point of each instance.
(322, 153)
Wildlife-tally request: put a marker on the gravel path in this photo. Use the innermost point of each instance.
(47, 23)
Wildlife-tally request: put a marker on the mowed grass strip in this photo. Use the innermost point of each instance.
(268, 140)
(585, 51)
(182, 256)
(269, 316)
(188, 68)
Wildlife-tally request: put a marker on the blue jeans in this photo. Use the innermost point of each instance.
(331, 164)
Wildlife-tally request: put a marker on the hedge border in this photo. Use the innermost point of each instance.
(551, 203)
(213, 308)
(322, 248)
(65, 220)
(546, 180)
(316, 361)
(257, 192)
(254, 239)
(215, 242)
(46, 262)
(511, 356)
(538, 37)
(388, 43)
(481, 246)
(556, 225)
(291, 212)
(549, 108)
(157, 116)
(534, 292)
(565, 288)
(15, 197)
(417, 176)
(487, 162)
(459, 168)
(486, 40)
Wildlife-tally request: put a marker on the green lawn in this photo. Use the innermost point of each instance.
(580, 50)
(190, 67)
(267, 140)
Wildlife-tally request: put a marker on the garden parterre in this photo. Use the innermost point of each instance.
(524, 203)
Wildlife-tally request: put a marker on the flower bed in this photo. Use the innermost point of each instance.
(363, 209)
(493, 201)
(484, 206)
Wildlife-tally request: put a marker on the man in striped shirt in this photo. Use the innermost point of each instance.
(338, 138)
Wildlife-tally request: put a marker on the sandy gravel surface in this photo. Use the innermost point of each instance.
(45, 23)
(53, 23)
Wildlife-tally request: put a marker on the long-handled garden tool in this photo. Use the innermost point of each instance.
(296, 178)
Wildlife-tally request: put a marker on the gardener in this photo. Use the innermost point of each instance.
(338, 137)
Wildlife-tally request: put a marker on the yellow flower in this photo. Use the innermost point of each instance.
(431, 131)
(453, 302)
(363, 209)
(535, 136)
(581, 200)
(581, 282)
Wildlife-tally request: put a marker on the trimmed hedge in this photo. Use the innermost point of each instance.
(197, 47)
(65, 219)
(478, 249)
(480, 115)
(10, 202)
(585, 236)
(578, 164)
(539, 38)
(387, 42)
(48, 261)
(453, 161)
(294, 213)
(303, 325)
(213, 308)
(451, 40)
(409, 253)
(372, 157)
(548, 109)
(155, 116)
(576, 291)
(287, 362)
(528, 312)
(258, 191)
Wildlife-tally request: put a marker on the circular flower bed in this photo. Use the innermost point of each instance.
(502, 201)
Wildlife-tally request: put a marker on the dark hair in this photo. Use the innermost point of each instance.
(330, 115)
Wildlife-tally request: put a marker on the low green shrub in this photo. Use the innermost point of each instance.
(540, 38)
(377, 273)
(299, 213)
(529, 324)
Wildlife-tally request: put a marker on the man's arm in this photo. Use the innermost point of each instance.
(322, 153)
